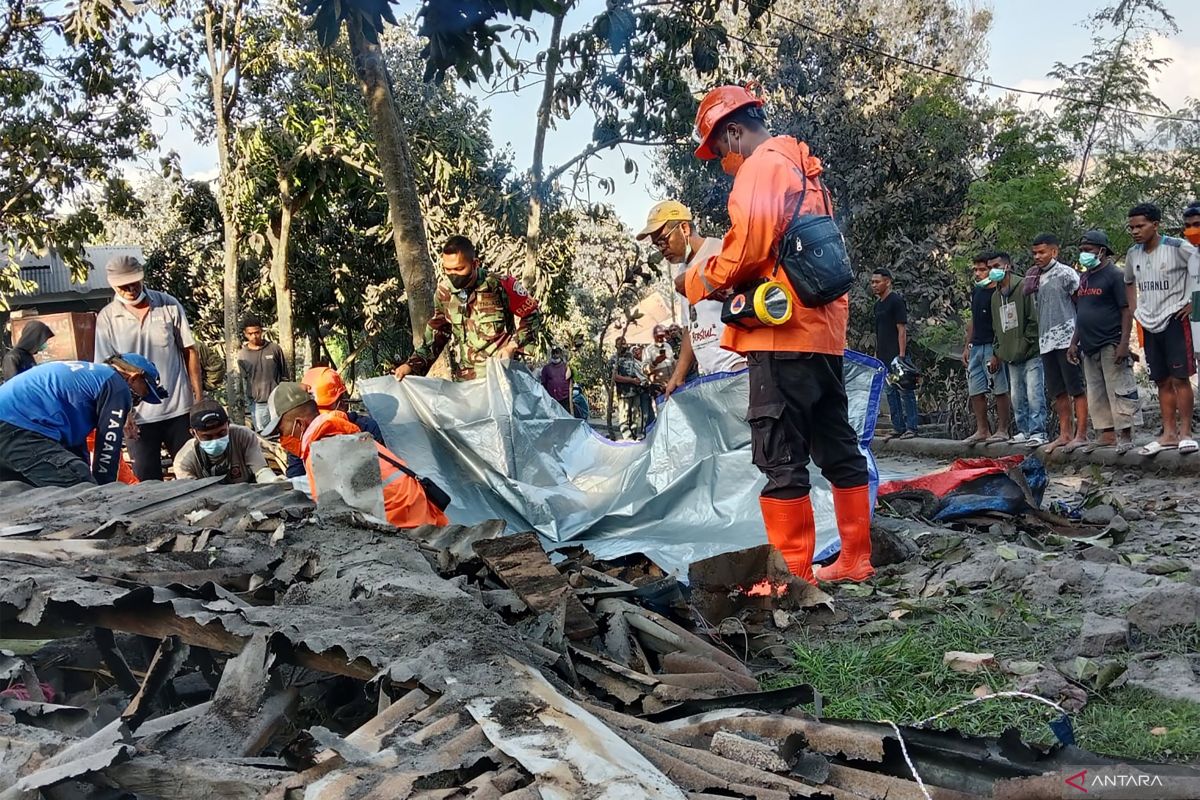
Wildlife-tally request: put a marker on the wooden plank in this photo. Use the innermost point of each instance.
(168, 659)
(192, 779)
(159, 622)
(521, 563)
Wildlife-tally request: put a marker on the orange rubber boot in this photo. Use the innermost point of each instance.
(852, 508)
(792, 531)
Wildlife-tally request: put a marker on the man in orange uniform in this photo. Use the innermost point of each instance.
(797, 395)
(295, 415)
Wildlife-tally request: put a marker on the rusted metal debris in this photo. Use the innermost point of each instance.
(216, 641)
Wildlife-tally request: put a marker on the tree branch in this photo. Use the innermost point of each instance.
(596, 147)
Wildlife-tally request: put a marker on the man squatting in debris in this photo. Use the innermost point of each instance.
(295, 415)
(329, 391)
(798, 404)
(482, 313)
(219, 448)
(47, 413)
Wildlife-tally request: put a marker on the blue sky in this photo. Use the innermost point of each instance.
(1026, 39)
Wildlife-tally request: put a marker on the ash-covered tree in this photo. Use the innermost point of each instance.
(73, 110)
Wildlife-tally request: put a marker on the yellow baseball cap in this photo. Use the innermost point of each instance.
(662, 213)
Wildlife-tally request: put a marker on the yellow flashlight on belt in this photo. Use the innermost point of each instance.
(766, 303)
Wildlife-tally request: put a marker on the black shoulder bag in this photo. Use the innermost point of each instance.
(813, 255)
(434, 493)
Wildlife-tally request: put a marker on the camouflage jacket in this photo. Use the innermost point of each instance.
(480, 322)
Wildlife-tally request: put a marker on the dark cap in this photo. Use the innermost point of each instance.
(206, 415)
(1096, 237)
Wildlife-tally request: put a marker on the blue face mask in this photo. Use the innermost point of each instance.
(1089, 260)
(996, 275)
(215, 447)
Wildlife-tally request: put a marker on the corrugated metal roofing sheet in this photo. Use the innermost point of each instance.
(52, 276)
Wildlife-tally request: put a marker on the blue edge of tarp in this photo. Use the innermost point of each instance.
(996, 492)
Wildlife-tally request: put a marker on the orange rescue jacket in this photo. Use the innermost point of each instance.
(404, 500)
(764, 196)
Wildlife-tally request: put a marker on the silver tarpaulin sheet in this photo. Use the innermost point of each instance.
(504, 449)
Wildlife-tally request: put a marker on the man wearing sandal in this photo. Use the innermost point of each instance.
(983, 376)
(1015, 325)
(1160, 290)
(1054, 284)
(1101, 343)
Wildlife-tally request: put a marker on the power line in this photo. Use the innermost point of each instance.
(980, 81)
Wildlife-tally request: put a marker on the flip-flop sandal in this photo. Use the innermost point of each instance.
(1154, 448)
(1188, 446)
(1124, 447)
(995, 439)
(1071, 447)
(1092, 447)
(973, 439)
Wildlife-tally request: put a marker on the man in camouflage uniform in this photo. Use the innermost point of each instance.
(483, 313)
(627, 381)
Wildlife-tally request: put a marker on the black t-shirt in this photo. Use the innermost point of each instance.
(981, 316)
(1098, 305)
(889, 312)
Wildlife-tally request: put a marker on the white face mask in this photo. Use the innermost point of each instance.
(133, 302)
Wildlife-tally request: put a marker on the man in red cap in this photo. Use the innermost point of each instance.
(798, 401)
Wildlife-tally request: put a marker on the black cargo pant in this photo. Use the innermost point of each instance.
(797, 412)
(146, 452)
(31, 458)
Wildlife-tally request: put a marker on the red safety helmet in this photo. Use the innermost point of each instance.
(718, 104)
(325, 385)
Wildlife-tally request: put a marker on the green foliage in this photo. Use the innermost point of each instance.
(610, 272)
(899, 148)
(71, 112)
(308, 141)
(461, 34)
(1024, 190)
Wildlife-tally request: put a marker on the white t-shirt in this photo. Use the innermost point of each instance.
(703, 322)
(1163, 279)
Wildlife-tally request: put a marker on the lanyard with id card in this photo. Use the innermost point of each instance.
(1008, 316)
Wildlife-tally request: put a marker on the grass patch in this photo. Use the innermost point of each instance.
(899, 675)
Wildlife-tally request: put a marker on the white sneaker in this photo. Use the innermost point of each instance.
(1020, 438)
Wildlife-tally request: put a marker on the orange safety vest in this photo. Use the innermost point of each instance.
(404, 500)
(765, 193)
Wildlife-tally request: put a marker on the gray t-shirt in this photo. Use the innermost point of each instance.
(1056, 310)
(1163, 282)
(161, 337)
(263, 369)
(239, 463)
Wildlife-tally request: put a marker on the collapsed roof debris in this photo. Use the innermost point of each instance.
(198, 640)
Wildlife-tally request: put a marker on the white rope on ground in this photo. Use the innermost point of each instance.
(992, 696)
(904, 748)
(908, 759)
